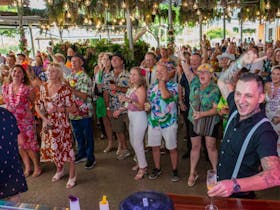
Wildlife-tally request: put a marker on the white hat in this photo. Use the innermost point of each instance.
(226, 55)
(276, 50)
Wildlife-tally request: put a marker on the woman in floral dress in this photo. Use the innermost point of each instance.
(54, 104)
(18, 96)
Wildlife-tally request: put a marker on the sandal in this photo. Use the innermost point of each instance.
(27, 173)
(71, 182)
(58, 176)
(141, 173)
(135, 168)
(108, 149)
(37, 173)
(192, 179)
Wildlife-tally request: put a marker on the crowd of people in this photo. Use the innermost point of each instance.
(54, 103)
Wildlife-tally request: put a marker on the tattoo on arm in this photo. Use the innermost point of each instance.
(228, 75)
(271, 171)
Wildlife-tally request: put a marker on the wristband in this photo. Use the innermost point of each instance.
(238, 64)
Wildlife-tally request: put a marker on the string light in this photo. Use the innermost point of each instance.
(123, 5)
(87, 3)
(267, 6)
(195, 5)
(66, 7)
(278, 12)
(68, 14)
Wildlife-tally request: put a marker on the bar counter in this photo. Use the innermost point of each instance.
(193, 202)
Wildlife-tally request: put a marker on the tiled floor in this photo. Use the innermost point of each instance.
(114, 178)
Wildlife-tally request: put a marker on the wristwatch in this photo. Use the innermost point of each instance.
(236, 186)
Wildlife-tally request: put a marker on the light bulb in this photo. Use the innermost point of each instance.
(195, 6)
(66, 7)
(278, 12)
(87, 3)
(68, 15)
(198, 12)
(267, 6)
(123, 5)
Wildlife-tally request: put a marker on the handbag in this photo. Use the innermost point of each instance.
(100, 107)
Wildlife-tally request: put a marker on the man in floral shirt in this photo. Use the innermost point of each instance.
(116, 83)
(81, 85)
(162, 120)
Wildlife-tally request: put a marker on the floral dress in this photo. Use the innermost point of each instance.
(57, 139)
(19, 105)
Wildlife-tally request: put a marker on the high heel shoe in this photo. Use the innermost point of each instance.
(27, 173)
(135, 168)
(58, 176)
(71, 182)
(37, 173)
(192, 179)
(141, 173)
(108, 149)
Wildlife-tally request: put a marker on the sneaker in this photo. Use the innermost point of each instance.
(123, 154)
(155, 174)
(90, 164)
(174, 176)
(80, 159)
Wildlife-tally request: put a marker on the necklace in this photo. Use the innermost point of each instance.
(14, 98)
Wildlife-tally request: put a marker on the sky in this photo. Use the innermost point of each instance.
(38, 4)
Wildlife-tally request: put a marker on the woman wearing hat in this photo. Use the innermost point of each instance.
(204, 94)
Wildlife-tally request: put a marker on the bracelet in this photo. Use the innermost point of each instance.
(238, 64)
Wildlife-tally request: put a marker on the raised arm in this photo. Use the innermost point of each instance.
(204, 52)
(269, 177)
(227, 79)
(185, 63)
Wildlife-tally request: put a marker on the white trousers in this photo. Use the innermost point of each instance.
(137, 127)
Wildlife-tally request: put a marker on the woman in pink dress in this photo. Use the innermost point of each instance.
(18, 96)
(54, 104)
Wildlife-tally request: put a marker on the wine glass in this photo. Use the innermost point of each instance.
(211, 181)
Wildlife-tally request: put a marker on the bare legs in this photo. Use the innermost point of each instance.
(35, 160)
(109, 133)
(195, 155)
(72, 175)
(26, 155)
(212, 151)
(156, 156)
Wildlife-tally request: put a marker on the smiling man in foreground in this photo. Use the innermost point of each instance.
(245, 113)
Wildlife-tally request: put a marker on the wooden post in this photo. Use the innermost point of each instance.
(129, 32)
(32, 41)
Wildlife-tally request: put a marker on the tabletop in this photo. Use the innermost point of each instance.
(184, 202)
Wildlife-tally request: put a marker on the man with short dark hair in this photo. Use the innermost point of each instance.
(81, 86)
(116, 83)
(149, 67)
(245, 113)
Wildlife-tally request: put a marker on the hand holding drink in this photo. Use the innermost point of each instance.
(211, 181)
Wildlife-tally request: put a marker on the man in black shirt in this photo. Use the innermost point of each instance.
(261, 150)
